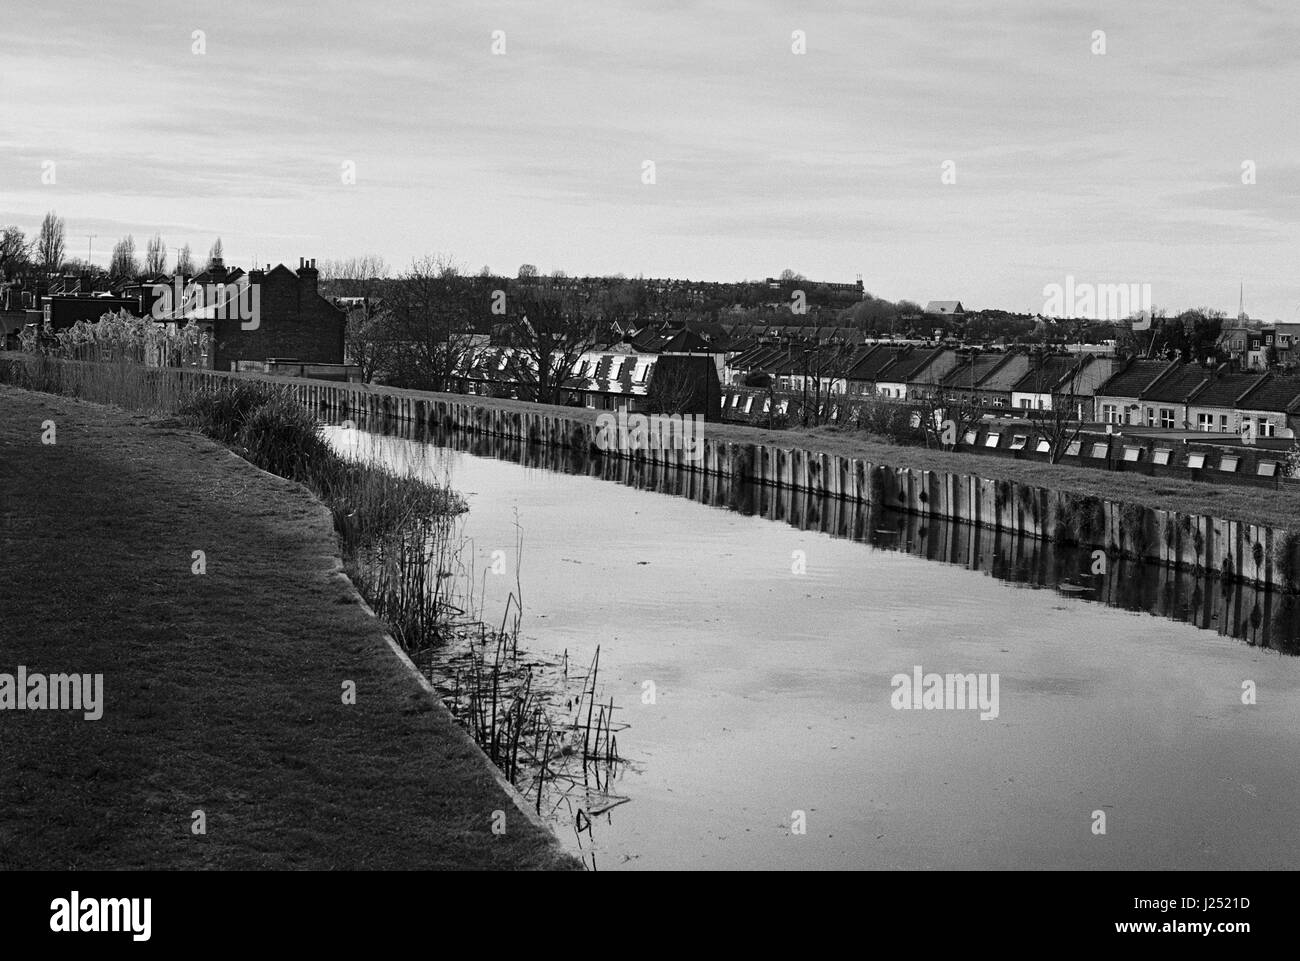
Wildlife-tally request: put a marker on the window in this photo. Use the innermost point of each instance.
(1205, 422)
(1228, 464)
(1223, 423)
(1132, 453)
(1267, 468)
(1166, 418)
(991, 440)
(1044, 446)
(1195, 461)
(1266, 428)
(1151, 417)
(1074, 448)
(1162, 455)
(767, 404)
(749, 403)
(970, 438)
(1018, 441)
(1110, 413)
(999, 402)
(1100, 450)
(1024, 402)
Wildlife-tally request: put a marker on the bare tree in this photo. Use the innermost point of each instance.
(15, 250)
(1057, 422)
(155, 256)
(365, 270)
(369, 334)
(185, 262)
(527, 270)
(429, 322)
(50, 249)
(214, 253)
(553, 328)
(122, 265)
(946, 413)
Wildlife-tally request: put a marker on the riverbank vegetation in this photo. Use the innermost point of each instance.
(222, 679)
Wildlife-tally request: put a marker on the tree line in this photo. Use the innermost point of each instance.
(46, 254)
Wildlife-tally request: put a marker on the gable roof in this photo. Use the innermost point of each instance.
(1049, 374)
(944, 307)
(1225, 388)
(1177, 386)
(1135, 377)
(971, 370)
(1274, 393)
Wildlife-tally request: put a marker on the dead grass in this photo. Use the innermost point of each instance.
(223, 691)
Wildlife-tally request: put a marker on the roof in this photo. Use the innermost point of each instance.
(1048, 374)
(1134, 378)
(944, 307)
(876, 359)
(1179, 385)
(910, 366)
(1275, 393)
(1225, 388)
(971, 370)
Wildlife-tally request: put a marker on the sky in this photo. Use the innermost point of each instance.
(1117, 167)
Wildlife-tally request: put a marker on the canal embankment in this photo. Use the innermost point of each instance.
(1246, 534)
(253, 714)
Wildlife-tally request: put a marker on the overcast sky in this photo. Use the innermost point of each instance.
(1117, 168)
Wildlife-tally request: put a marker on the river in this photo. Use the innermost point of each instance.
(757, 663)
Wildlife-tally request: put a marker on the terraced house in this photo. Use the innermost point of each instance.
(1272, 408)
(1118, 400)
(1060, 382)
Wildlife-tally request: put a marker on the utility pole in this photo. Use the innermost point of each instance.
(89, 238)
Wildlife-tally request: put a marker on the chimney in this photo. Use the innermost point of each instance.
(218, 270)
(307, 285)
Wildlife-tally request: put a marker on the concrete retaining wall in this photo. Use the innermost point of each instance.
(1254, 554)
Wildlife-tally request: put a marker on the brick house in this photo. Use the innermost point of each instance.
(1272, 408)
(1117, 399)
(294, 321)
(1214, 407)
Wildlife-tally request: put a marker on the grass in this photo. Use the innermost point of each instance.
(222, 690)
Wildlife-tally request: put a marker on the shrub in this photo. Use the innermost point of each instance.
(280, 436)
(222, 411)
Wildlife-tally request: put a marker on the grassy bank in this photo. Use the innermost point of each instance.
(223, 690)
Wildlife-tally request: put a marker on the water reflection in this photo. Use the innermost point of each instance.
(1259, 617)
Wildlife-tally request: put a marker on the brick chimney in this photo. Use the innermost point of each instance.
(307, 283)
(217, 270)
